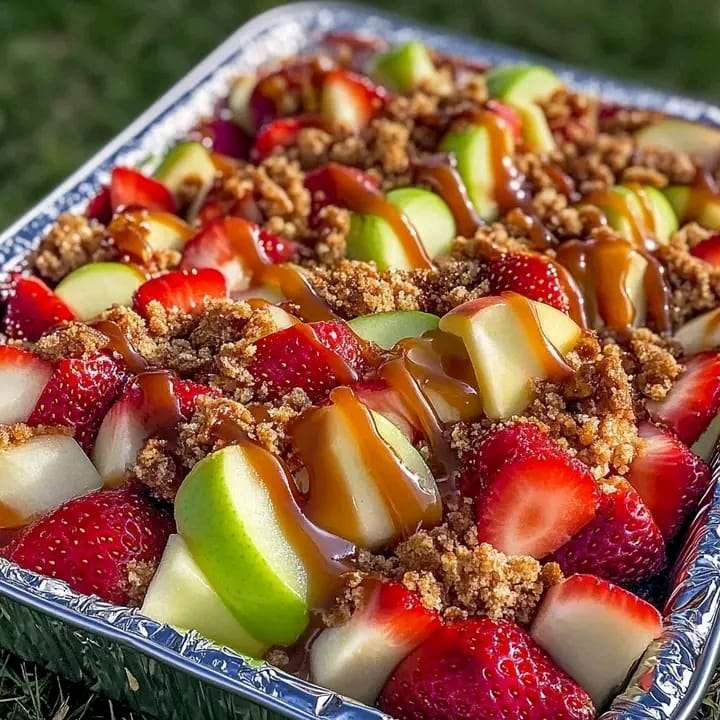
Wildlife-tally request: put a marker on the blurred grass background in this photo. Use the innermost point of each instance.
(72, 74)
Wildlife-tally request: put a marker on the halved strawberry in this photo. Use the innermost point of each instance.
(315, 359)
(622, 543)
(183, 290)
(535, 501)
(530, 275)
(99, 207)
(350, 100)
(95, 542)
(595, 631)
(78, 394)
(130, 188)
(226, 138)
(356, 659)
(280, 133)
(482, 669)
(708, 250)
(509, 114)
(32, 309)
(694, 399)
(668, 477)
(23, 376)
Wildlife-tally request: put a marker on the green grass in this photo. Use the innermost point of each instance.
(72, 74)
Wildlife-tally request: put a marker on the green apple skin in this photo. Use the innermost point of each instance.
(471, 147)
(679, 197)
(535, 129)
(386, 329)
(97, 286)
(666, 222)
(187, 161)
(404, 67)
(522, 83)
(180, 595)
(700, 141)
(224, 513)
(371, 238)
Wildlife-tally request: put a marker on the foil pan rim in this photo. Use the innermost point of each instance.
(669, 682)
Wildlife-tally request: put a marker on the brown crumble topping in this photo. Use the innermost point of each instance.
(139, 575)
(18, 434)
(70, 340)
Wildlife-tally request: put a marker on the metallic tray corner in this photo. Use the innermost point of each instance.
(158, 670)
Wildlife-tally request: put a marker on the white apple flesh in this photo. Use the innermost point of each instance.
(23, 377)
(700, 333)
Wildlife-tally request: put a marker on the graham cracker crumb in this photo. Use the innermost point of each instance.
(139, 575)
(70, 340)
(19, 433)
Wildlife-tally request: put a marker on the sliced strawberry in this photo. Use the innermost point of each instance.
(227, 138)
(509, 114)
(694, 399)
(183, 290)
(280, 133)
(668, 477)
(78, 394)
(130, 188)
(307, 357)
(708, 250)
(535, 501)
(277, 248)
(529, 275)
(350, 100)
(622, 543)
(94, 542)
(23, 376)
(356, 659)
(482, 669)
(99, 207)
(595, 631)
(32, 309)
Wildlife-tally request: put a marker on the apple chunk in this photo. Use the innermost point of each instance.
(226, 514)
(41, 474)
(700, 333)
(23, 377)
(511, 341)
(386, 329)
(180, 595)
(700, 141)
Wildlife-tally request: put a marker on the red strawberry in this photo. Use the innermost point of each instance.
(93, 541)
(78, 394)
(130, 188)
(668, 477)
(325, 183)
(227, 138)
(529, 275)
(534, 501)
(595, 631)
(350, 100)
(694, 399)
(276, 247)
(188, 393)
(708, 250)
(280, 133)
(622, 544)
(482, 669)
(33, 309)
(389, 624)
(315, 357)
(183, 290)
(99, 207)
(509, 114)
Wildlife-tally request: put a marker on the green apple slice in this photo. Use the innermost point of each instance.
(225, 514)
(505, 359)
(700, 141)
(681, 199)
(95, 287)
(405, 67)
(535, 129)
(666, 222)
(187, 164)
(386, 329)
(371, 239)
(522, 83)
(239, 102)
(180, 595)
(471, 147)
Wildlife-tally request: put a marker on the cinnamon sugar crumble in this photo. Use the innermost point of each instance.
(18, 434)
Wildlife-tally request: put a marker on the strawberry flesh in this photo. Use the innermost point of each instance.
(99, 207)
(622, 544)
(324, 185)
(227, 138)
(78, 394)
(280, 133)
(694, 399)
(482, 669)
(131, 189)
(182, 290)
(91, 542)
(32, 309)
(669, 478)
(708, 250)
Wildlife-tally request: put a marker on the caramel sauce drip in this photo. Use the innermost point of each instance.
(162, 407)
(574, 294)
(10, 519)
(440, 173)
(359, 197)
(657, 293)
(703, 190)
(119, 343)
(551, 360)
(298, 291)
(129, 234)
(325, 556)
(329, 502)
(563, 183)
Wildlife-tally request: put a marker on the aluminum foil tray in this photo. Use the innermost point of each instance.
(158, 670)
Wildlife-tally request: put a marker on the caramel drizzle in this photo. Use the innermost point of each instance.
(10, 518)
(440, 173)
(161, 403)
(118, 342)
(129, 232)
(329, 502)
(703, 190)
(324, 555)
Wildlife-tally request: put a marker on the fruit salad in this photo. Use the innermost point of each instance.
(400, 372)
